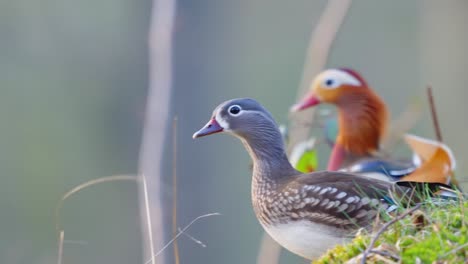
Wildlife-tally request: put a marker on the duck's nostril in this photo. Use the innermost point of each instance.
(208, 126)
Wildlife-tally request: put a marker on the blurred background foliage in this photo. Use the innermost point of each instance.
(73, 77)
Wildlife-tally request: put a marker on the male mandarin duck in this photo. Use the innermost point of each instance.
(305, 213)
(362, 115)
(362, 123)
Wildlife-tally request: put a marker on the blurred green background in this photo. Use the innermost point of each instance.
(73, 76)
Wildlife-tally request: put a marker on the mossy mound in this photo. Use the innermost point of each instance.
(436, 233)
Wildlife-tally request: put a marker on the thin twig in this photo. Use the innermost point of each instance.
(435, 120)
(382, 229)
(438, 131)
(174, 189)
(86, 185)
(181, 232)
(320, 43)
(60, 247)
(192, 238)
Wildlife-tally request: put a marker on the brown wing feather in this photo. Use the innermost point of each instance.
(338, 199)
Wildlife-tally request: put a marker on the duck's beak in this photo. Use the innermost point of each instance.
(309, 101)
(210, 128)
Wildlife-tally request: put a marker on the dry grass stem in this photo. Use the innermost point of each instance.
(60, 247)
(180, 233)
(86, 185)
(438, 131)
(148, 220)
(382, 229)
(192, 238)
(174, 189)
(435, 119)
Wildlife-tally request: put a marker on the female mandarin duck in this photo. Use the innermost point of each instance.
(305, 213)
(362, 123)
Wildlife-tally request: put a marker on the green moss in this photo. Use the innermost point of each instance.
(441, 234)
(344, 252)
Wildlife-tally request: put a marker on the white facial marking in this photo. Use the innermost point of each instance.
(333, 78)
(222, 122)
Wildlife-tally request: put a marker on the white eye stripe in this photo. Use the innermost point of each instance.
(333, 78)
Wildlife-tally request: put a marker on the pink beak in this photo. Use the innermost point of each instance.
(210, 128)
(307, 102)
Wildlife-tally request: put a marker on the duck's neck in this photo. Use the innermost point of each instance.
(362, 120)
(266, 148)
(271, 168)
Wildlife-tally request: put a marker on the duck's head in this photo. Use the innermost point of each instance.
(334, 86)
(243, 117)
(249, 121)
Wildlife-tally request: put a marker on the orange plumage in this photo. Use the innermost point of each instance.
(362, 124)
(362, 115)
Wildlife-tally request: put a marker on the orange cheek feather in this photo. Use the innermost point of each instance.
(327, 95)
(362, 120)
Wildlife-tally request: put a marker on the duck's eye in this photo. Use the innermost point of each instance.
(234, 110)
(329, 82)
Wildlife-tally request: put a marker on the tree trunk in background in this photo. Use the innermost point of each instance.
(444, 64)
(155, 126)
